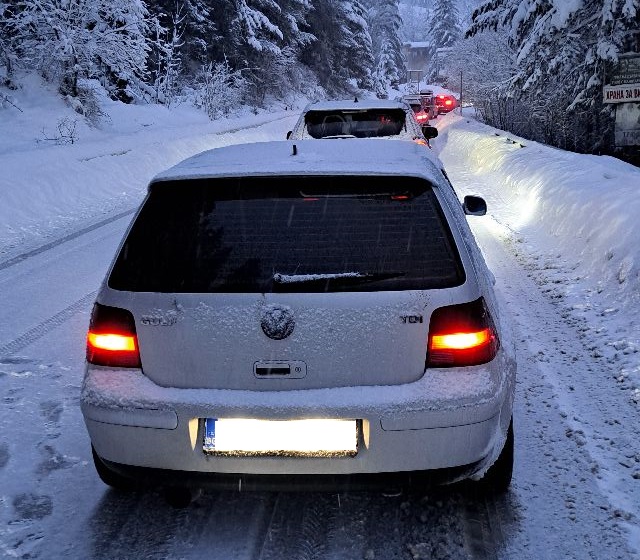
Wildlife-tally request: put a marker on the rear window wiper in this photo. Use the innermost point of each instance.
(334, 136)
(338, 278)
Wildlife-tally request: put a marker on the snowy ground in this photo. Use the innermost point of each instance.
(561, 237)
(48, 189)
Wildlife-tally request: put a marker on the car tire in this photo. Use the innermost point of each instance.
(110, 477)
(498, 478)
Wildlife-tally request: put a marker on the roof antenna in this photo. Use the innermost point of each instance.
(356, 99)
(295, 150)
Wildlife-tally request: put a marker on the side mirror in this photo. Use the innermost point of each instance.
(474, 206)
(429, 132)
(289, 134)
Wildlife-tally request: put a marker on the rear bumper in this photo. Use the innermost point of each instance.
(389, 481)
(447, 420)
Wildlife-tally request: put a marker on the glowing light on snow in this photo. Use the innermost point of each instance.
(525, 209)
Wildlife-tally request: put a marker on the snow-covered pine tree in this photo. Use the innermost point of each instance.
(487, 62)
(202, 35)
(385, 26)
(465, 10)
(71, 40)
(445, 31)
(321, 56)
(283, 72)
(564, 51)
(444, 24)
(184, 35)
(8, 56)
(355, 49)
(264, 37)
(342, 55)
(414, 17)
(165, 59)
(253, 29)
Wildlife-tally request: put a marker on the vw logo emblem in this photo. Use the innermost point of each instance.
(277, 321)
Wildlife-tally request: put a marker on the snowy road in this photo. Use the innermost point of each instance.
(575, 493)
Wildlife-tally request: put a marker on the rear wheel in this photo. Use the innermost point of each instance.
(112, 478)
(498, 478)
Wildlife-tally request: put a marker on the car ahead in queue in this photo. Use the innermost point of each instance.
(423, 105)
(366, 118)
(429, 104)
(308, 314)
(446, 102)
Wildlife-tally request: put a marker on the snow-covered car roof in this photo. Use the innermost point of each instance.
(310, 157)
(355, 105)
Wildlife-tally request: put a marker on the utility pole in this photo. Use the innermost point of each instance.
(460, 92)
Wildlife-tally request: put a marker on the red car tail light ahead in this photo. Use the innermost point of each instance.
(112, 339)
(461, 335)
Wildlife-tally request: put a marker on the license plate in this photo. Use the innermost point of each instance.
(290, 438)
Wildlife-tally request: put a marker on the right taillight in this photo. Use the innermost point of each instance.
(112, 339)
(461, 335)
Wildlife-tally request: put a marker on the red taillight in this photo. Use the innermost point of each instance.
(461, 335)
(112, 342)
(448, 102)
(422, 117)
(112, 339)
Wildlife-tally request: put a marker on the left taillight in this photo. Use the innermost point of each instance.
(462, 335)
(112, 339)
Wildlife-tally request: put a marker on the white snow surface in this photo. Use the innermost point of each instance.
(48, 188)
(561, 236)
(349, 155)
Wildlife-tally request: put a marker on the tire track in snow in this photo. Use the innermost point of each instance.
(483, 531)
(45, 327)
(75, 234)
(297, 527)
(55, 243)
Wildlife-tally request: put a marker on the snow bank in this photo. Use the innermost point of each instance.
(583, 207)
(47, 189)
(571, 220)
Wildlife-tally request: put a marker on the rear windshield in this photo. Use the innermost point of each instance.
(288, 234)
(364, 123)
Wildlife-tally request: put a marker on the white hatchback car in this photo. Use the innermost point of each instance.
(291, 312)
(362, 118)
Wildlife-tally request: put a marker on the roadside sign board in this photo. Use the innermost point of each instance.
(627, 71)
(627, 131)
(623, 88)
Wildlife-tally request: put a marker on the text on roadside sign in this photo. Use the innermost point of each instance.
(624, 93)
